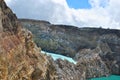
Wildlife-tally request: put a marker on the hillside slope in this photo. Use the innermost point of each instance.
(68, 40)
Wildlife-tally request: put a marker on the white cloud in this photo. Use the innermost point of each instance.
(103, 13)
(99, 3)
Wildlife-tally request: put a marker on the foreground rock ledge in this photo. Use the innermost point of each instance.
(20, 59)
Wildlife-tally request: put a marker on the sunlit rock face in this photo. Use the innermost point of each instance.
(20, 59)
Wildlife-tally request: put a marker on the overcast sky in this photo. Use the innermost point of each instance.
(88, 13)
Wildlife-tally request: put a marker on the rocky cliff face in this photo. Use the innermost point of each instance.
(68, 40)
(20, 59)
(74, 42)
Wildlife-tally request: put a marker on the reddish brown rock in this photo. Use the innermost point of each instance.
(20, 59)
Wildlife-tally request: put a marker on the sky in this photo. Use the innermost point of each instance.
(79, 4)
(81, 13)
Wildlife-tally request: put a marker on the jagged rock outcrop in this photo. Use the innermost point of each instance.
(66, 70)
(100, 61)
(69, 71)
(111, 58)
(92, 62)
(20, 58)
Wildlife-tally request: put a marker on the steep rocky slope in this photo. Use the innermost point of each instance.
(20, 59)
(74, 42)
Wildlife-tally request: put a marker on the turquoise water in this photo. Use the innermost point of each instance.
(57, 56)
(112, 77)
